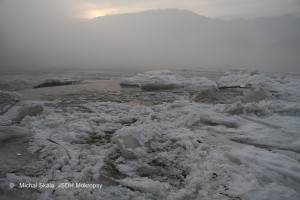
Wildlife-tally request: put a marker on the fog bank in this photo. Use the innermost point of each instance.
(153, 39)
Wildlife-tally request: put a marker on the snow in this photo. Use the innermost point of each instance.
(248, 149)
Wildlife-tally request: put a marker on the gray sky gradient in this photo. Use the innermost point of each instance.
(72, 9)
(52, 33)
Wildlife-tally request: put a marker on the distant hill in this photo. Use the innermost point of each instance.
(159, 38)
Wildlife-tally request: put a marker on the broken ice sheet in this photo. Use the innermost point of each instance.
(245, 148)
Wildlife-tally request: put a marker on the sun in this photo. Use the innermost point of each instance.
(93, 14)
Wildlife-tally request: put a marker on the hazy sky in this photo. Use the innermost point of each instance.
(46, 33)
(93, 8)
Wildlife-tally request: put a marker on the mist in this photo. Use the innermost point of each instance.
(200, 101)
(168, 38)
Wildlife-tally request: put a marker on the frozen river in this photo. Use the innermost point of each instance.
(185, 134)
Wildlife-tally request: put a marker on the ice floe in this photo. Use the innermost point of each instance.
(50, 82)
(164, 79)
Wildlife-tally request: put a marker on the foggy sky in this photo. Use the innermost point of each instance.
(210, 8)
(43, 33)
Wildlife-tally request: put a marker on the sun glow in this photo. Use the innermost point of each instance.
(90, 14)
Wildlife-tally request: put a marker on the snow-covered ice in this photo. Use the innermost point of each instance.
(248, 148)
(50, 82)
(164, 79)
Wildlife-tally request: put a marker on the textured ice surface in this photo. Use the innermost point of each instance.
(19, 111)
(164, 79)
(7, 100)
(245, 148)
